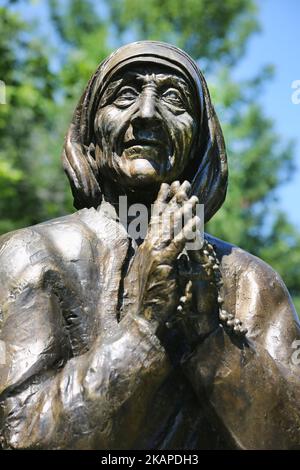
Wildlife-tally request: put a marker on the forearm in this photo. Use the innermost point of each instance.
(255, 398)
(95, 401)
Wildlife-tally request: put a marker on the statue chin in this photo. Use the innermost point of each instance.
(144, 164)
(143, 171)
(140, 171)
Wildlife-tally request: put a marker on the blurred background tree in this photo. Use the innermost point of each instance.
(46, 73)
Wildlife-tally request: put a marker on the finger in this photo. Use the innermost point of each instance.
(161, 200)
(181, 194)
(163, 193)
(184, 214)
(174, 188)
(191, 229)
(174, 219)
(187, 234)
(186, 187)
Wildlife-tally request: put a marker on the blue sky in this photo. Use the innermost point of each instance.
(278, 44)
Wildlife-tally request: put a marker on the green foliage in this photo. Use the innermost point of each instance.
(40, 105)
(259, 164)
(29, 112)
(213, 30)
(83, 34)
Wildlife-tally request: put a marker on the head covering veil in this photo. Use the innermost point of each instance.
(207, 166)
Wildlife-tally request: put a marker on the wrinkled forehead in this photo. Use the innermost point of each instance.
(156, 73)
(139, 76)
(146, 57)
(151, 54)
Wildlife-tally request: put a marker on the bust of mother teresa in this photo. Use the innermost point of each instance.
(112, 342)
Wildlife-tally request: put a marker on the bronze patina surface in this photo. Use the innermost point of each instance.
(117, 343)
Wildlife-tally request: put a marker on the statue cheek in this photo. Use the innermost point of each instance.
(187, 130)
(105, 121)
(186, 123)
(179, 124)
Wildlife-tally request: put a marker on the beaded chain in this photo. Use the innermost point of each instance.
(212, 265)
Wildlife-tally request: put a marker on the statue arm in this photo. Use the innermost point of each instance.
(251, 387)
(50, 399)
(100, 398)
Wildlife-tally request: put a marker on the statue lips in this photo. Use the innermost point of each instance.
(142, 143)
(151, 146)
(147, 148)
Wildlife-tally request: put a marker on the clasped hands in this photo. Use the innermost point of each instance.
(152, 286)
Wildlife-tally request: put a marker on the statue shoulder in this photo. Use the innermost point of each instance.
(234, 258)
(63, 238)
(248, 277)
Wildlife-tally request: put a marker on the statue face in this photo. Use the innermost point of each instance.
(144, 126)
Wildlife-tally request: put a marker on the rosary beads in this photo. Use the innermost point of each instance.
(211, 265)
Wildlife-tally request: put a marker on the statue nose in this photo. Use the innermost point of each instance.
(147, 110)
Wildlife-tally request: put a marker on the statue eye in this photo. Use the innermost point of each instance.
(125, 96)
(173, 97)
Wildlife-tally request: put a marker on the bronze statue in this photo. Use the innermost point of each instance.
(116, 343)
